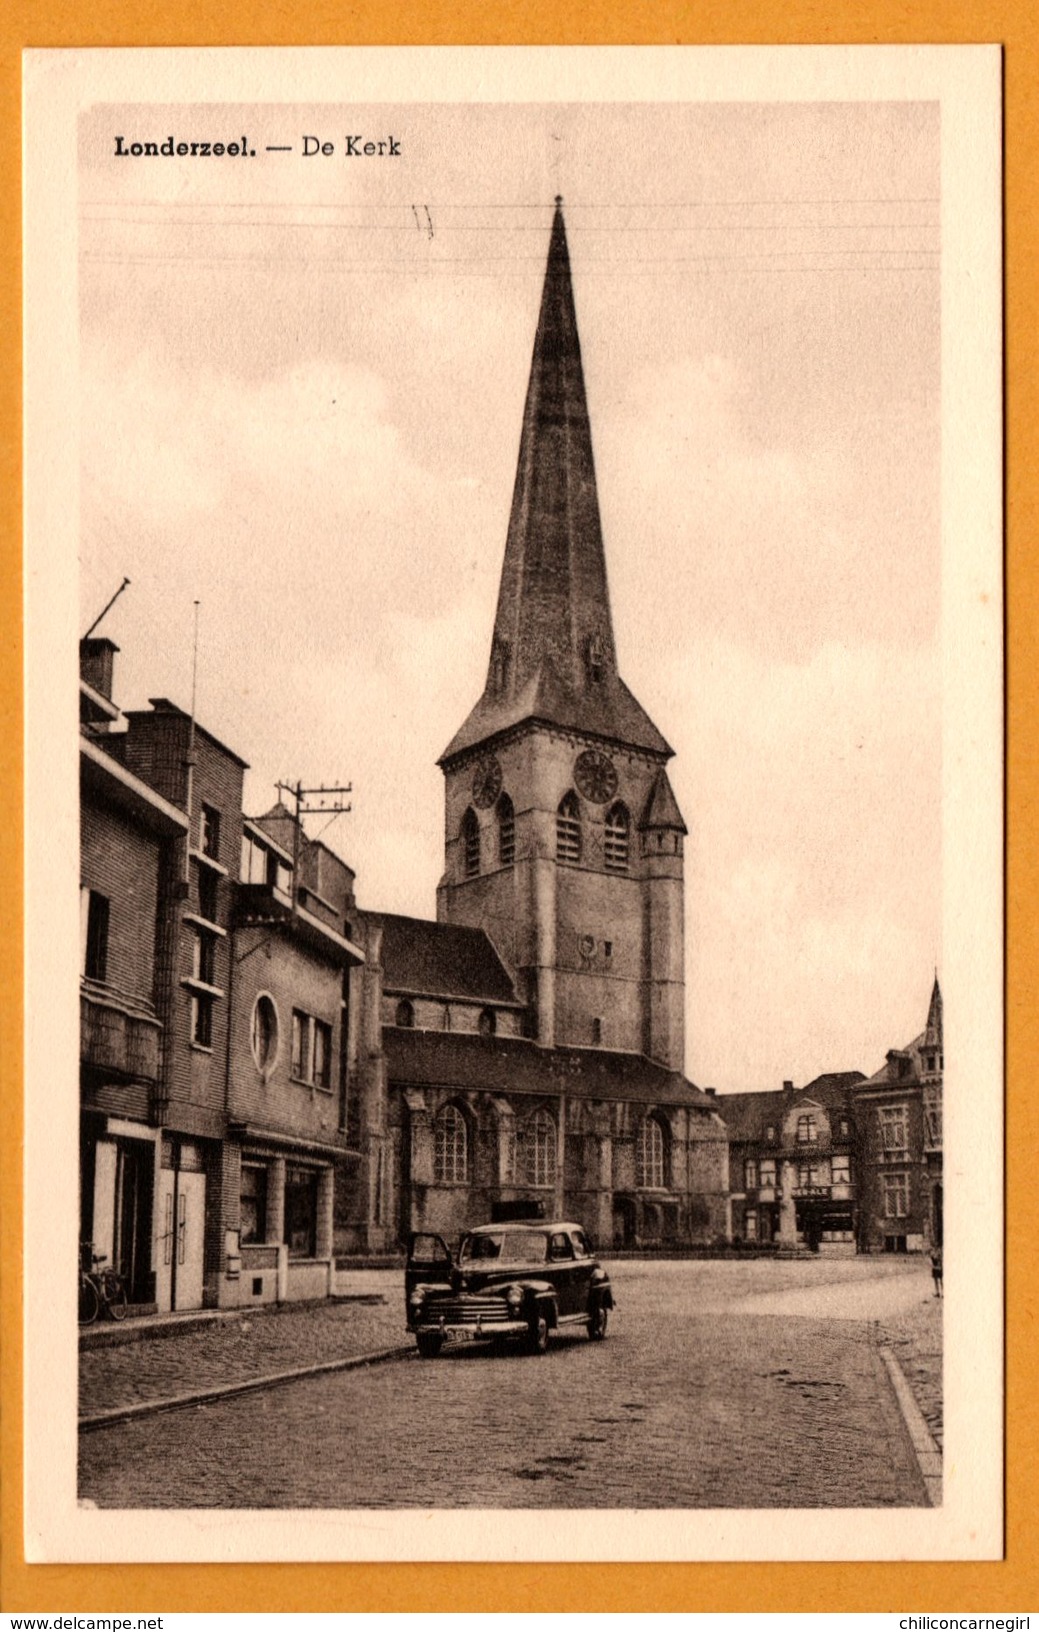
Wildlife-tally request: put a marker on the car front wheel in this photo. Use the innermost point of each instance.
(537, 1337)
(429, 1344)
(597, 1323)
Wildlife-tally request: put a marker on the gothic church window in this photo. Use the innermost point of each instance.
(470, 844)
(618, 830)
(450, 1147)
(405, 1013)
(649, 1156)
(568, 829)
(506, 831)
(541, 1149)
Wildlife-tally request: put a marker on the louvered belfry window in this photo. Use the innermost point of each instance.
(506, 831)
(568, 829)
(470, 844)
(618, 829)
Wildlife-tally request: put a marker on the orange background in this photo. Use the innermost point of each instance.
(1006, 1587)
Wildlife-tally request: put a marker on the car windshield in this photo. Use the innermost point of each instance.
(510, 1246)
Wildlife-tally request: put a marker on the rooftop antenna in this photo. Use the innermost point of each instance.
(106, 609)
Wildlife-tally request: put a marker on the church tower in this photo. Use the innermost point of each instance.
(563, 836)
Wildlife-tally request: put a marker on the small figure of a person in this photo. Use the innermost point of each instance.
(936, 1270)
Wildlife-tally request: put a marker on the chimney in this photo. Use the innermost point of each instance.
(96, 665)
(788, 1089)
(711, 1091)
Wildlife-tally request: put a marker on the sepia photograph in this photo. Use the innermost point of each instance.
(537, 604)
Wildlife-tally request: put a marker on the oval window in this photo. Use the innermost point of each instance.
(264, 1032)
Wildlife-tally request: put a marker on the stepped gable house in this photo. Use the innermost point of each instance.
(533, 1037)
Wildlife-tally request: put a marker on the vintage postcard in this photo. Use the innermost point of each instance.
(513, 550)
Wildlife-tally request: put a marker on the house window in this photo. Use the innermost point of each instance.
(770, 1134)
(809, 1175)
(94, 912)
(845, 1127)
(487, 1024)
(450, 1147)
(750, 1175)
(807, 1132)
(322, 1054)
(405, 1014)
(840, 1169)
(893, 1129)
(541, 1149)
(202, 1019)
(568, 829)
(203, 960)
(209, 837)
(618, 829)
(264, 1032)
(750, 1224)
(506, 831)
(896, 1194)
(208, 893)
(311, 1050)
(767, 1180)
(301, 1212)
(649, 1156)
(470, 844)
(253, 1203)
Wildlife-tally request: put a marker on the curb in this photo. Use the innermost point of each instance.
(225, 1391)
(925, 1449)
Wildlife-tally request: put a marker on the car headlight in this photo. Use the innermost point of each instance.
(417, 1298)
(514, 1298)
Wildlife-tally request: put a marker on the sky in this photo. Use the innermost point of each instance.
(302, 383)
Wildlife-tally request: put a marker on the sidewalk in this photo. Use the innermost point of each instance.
(240, 1346)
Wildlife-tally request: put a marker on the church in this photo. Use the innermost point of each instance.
(527, 1048)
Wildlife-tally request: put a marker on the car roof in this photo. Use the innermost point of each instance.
(532, 1224)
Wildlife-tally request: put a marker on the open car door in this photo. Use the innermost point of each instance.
(429, 1263)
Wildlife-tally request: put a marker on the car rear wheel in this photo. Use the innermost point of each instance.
(537, 1337)
(597, 1323)
(429, 1344)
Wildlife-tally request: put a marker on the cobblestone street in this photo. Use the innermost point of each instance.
(720, 1385)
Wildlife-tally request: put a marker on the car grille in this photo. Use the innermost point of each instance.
(464, 1311)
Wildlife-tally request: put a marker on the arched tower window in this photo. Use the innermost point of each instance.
(650, 1156)
(450, 1147)
(470, 843)
(540, 1149)
(618, 839)
(405, 1013)
(568, 829)
(506, 831)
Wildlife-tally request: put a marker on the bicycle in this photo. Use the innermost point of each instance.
(100, 1288)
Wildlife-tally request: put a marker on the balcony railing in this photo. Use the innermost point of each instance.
(113, 1038)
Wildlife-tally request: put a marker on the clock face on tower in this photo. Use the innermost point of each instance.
(486, 782)
(595, 776)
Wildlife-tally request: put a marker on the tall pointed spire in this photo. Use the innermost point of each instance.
(552, 655)
(933, 1031)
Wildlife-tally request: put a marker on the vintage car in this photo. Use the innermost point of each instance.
(511, 1280)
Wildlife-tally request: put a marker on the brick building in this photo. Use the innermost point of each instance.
(899, 1111)
(794, 1164)
(214, 1000)
(130, 838)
